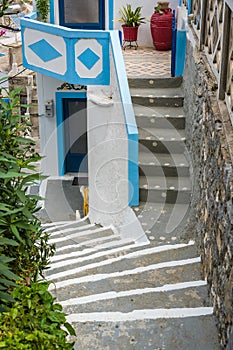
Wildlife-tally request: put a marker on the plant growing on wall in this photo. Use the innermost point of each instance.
(43, 9)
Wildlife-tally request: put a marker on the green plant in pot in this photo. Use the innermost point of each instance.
(131, 20)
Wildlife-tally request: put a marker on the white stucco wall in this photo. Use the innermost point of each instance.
(46, 87)
(144, 33)
(107, 154)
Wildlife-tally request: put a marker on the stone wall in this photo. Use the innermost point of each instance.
(22, 80)
(210, 142)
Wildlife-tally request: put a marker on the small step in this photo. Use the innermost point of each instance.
(171, 82)
(153, 275)
(82, 238)
(122, 258)
(156, 164)
(165, 189)
(169, 97)
(140, 299)
(130, 331)
(159, 117)
(162, 140)
(161, 134)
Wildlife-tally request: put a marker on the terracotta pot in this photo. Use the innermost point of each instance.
(130, 33)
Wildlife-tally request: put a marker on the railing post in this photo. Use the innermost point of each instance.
(225, 52)
(203, 24)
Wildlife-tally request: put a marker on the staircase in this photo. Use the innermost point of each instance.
(165, 184)
(120, 294)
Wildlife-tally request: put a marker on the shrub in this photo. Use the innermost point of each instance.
(29, 255)
(34, 322)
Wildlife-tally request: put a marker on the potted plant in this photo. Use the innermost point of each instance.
(131, 20)
(161, 26)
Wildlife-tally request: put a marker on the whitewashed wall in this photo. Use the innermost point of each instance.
(48, 127)
(107, 154)
(144, 34)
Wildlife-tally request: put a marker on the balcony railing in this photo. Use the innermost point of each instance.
(75, 56)
(212, 22)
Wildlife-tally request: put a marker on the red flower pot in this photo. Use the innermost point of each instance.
(130, 33)
(161, 29)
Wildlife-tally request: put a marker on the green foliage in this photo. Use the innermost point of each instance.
(130, 17)
(34, 322)
(157, 9)
(24, 248)
(43, 9)
(7, 277)
(4, 4)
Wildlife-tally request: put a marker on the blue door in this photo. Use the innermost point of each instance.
(75, 134)
(82, 14)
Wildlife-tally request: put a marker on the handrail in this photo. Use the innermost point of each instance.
(129, 115)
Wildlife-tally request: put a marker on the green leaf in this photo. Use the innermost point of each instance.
(69, 328)
(16, 233)
(4, 259)
(4, 270)
(8, 241)
(7, 282)
(30, 179)
(6, 297)
(21, 195)
(11, 174)
(14, 313)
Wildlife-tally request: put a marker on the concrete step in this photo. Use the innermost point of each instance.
(153, 331)
(88, 253)
(123, 260)
(159, 117)
(161, 134)
(181, 295)
(88, 282)
(68, 227)
(165, 189)
(169, 165)
(169, 97)
(155, 82)
(162, 140)
(163, 222)
(73, 260)
(87, 238)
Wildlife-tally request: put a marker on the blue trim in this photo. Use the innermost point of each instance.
(189, 6)
(173, 53)
(52, 12)
(180, 52)
(110, 14)
(60, 130)
(64, 31)
(32, 15)
(70, 37)
(95, 25)
(131, 126)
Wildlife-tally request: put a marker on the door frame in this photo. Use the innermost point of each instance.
(98, 26)
(60, 127)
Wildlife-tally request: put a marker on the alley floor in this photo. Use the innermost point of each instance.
(147, 62)
(122, 294)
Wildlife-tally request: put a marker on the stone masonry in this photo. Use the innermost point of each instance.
(210, 142)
